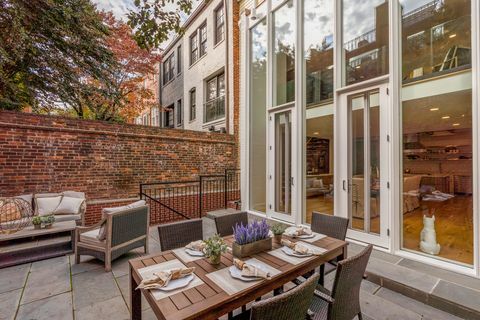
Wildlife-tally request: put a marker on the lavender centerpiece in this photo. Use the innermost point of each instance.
(251, 239)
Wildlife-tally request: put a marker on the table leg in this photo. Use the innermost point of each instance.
(135, 299)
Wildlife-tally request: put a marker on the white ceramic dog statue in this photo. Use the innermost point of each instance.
(428, 236)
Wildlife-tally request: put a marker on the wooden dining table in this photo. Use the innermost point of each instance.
(210, 298)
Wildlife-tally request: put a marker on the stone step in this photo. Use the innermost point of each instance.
(221, 212)
(453, 293)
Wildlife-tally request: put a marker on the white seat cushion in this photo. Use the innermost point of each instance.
(90, 237)
(47, 205)
(68, 217)
(123, 208)
(69, 205)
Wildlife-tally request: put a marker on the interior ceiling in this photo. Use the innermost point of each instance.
(417, 116)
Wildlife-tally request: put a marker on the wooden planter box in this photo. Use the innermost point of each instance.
(241, 251)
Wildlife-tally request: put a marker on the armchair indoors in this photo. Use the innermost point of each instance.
(120, 231)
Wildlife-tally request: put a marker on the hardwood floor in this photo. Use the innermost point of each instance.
(453, 225)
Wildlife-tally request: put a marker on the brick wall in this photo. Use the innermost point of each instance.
(106, 161)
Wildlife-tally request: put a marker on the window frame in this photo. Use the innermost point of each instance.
(179, 59)
(193, 104)
(169, 68)
(221, 25)
(194, 50)
(202, 42)
(179, 112)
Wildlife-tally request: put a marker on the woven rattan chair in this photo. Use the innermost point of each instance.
(290, 305)
(124, 231)
(332, 226)
(226, 222)
(343, 303)
(179, 234)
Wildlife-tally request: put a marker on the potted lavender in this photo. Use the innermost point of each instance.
(250, 239)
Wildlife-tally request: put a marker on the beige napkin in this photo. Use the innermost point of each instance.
(301, 231)
(198, 245)
(249, 270)
(299, 248)
(162, 278)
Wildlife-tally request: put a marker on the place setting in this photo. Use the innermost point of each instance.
(195, 250)
(167, 278)
(296, 252)
(303, 233)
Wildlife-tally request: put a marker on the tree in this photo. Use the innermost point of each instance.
(48, 48)
(125, 96)
(153, 21)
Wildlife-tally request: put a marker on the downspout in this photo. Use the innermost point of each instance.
(227, 83)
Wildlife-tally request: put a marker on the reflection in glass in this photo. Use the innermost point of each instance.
(365, 39)
(436, 38)
(374, 136)
(357, 187)
(318, 50)
(258, 121)
(283, 163)
(319, 161)
(284, 54)
(437, 203)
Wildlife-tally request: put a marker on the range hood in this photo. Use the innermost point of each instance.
(412, 144)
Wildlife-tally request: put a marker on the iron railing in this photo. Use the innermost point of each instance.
(178, 200)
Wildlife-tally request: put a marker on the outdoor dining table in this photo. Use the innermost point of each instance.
(214, 292)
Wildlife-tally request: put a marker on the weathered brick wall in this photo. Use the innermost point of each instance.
(106, 161)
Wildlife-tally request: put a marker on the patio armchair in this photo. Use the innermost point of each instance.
(290, 305)
(179, 234)
(331, 226)
(118, 233)
(226, 222)
(344, 300)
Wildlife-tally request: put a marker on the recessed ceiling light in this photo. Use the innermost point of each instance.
(316, 132)
(456, 124)
(358, 67)
(452, 35)
(446, 117)
(434, 109)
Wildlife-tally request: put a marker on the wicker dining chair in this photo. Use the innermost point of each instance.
(179, 234)
(226, 222)
(331, 226)
(343, 303)
(290, 305)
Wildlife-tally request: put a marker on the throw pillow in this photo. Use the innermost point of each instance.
(69, 205)
(318, 183)
(102, 233)
(46, 206)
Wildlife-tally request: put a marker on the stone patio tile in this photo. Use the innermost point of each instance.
(450, 276)
(123, 284)
(87, 263)
(148, 315)
(464, 296)
(113, 308)
(377, 308)
(58, 307)
(93, 287)
(120, 266)
(47, 278)
(12, 278)
(354, 248)
(408, 277)
(8, 303)
(424, 310)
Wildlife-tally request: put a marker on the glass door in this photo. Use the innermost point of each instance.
(367, 152)
(281, 173)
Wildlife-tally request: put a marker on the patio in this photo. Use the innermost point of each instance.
(59, 289)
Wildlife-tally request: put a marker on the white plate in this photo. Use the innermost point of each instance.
(178, 283)
(292, 253)
(237, 274)
(194, 253)
(290, 232)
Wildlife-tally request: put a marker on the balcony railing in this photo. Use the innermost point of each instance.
(214, 109)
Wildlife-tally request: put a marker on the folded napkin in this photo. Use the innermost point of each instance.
(162, 278)
(299, 248)
(198, 245)
(300, 231)
(249, 270)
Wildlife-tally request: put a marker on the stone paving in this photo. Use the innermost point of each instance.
(59, 289)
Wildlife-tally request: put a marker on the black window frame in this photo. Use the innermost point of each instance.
(169, 68)
(202, 39)
(193, 103)
(179, 112)
(219, 25)
(194, 50)
(179, 59)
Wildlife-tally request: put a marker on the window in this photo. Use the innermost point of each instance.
(169, 68)
(169, 111)
(258, 117)
(179, 112)
(203, 39)
(193, 48)
(215, 104)
(179, 59)
(219, 25)
(193, 104)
